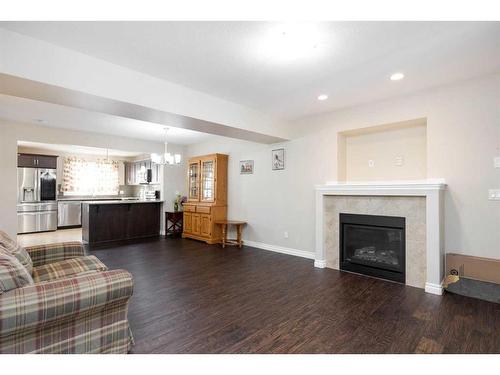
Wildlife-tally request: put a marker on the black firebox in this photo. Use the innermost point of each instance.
(373, 245)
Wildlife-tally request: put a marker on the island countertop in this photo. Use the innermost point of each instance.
(70, 198)
(123, 201)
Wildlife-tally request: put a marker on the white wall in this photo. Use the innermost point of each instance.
(463, 136)
(11, 133)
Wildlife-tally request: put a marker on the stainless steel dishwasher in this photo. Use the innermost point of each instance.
(69, 214)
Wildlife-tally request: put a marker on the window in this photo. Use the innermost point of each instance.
(96, 177)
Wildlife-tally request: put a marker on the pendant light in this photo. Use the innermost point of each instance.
(166, 158)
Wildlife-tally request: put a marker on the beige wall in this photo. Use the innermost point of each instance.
(383, 147)
(463, 136)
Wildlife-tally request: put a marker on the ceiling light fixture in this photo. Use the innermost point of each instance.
(166, 158)
(289, 42)
(322, 97)
(397, 76)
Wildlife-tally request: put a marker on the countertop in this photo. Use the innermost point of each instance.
(83, 199)
(132, 201)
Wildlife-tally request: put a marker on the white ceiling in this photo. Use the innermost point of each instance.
(349, 61)
(30, 111)
(78, 150)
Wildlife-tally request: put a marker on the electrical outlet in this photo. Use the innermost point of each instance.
(371, 163)
(399, 161)
(285, 234)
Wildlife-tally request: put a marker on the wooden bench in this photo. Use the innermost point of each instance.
(231, 241)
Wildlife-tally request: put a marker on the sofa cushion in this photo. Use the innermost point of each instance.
(12, 273)
(18, 251)
(55, 252)
(68, 268)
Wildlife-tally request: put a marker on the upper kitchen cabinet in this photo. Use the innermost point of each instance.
(136, 172)
(36, 161)
(207, 179)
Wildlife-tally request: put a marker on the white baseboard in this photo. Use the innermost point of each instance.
(319, 263)
(434, 288)
(280, 249)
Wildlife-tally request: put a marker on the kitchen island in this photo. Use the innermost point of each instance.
(112, 221)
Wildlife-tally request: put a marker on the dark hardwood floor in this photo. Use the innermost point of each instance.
(193, 298)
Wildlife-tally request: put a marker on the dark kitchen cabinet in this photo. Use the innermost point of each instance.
(104, 222)
(36, 161)
(46, 161)
(26, 161)
(143, 220)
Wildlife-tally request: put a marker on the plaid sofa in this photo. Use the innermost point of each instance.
(74, 305)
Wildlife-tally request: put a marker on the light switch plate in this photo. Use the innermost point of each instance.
(496, 162)
(494, 194)
(399, 161)
(371, 163)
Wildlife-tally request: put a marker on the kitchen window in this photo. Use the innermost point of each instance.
(90, 177)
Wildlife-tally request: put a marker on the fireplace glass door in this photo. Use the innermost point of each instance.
(373, 245)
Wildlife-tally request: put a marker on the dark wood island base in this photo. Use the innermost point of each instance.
(106, 222)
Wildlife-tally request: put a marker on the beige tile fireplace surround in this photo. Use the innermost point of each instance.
(419, 202)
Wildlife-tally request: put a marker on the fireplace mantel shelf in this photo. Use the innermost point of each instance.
(385, 186)
(431, 189)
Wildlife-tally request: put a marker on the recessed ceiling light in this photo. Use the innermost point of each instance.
(322, 97)
(397, 76)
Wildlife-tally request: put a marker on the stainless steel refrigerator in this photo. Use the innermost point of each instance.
(36, 200)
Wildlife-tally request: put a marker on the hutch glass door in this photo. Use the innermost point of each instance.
(208, 180)
(193, 178)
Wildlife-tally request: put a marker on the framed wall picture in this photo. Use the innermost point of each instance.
(246, 167)
(278, 159)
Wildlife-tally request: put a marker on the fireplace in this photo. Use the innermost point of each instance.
(373, 245)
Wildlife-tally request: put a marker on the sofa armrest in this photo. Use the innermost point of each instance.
(41, 304)
(45, 254)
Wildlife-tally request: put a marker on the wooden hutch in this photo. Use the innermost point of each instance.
(207, 198)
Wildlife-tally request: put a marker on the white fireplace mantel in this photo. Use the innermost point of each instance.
(432, 190)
